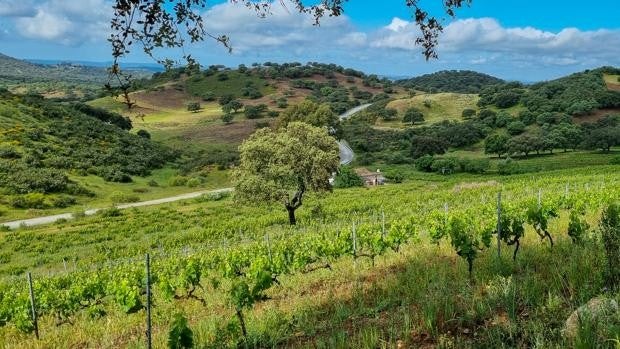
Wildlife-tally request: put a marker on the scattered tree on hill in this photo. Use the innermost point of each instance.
(282, 165)
(496, 144)
(254, 112)
(413, 115)
(235, 105)
(423, 145)
(193, 107)
(227, 118)
(468, 113)
(388, 114)
(515, 128)
(312, 113)
(603, 138)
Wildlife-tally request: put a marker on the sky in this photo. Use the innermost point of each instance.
(522, 40)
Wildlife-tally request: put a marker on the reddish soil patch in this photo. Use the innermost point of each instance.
(613, 87)
(233, 133)
(168, 97)
(596, 115)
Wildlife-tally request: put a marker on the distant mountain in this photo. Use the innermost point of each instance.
(458, 81)
(17, 71)
(149, 67)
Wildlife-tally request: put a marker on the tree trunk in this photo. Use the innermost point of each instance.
(291, 215)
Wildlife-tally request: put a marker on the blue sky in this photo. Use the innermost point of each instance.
(527, 40)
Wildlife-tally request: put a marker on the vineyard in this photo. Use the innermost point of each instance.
(441, 263)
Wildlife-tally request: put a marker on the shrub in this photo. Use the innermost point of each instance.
(194, 182)
(395, 176)
(347, 178)
(115, 174)
(193, 107)
(119, 197)
(9, 152)
(445, 165)
(152, 183)
(178, 181)
(63, 201)
(30, 200)
(468, 113)
(110, 212)
(424, 163)
(42, 180)
(144, 134)
(476, 166)
(227, 118)
(508, 167)
(610, 231)
(208, 96)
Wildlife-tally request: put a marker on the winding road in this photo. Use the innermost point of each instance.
(346, 153)
(346, 156)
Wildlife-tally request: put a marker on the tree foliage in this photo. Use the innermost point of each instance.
(282, 165)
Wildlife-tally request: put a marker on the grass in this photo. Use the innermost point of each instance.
(106, 193)
(444, 106)
(420, 297)
(199, 85)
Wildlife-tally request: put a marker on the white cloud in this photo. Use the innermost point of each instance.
(17, 8)
(67, 22)
(283, 27)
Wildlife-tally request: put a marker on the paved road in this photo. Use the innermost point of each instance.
(346, 153)
(51, 219)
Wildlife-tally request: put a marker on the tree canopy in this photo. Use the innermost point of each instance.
(282, 165)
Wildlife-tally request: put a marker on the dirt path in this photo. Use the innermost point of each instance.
(51, 219)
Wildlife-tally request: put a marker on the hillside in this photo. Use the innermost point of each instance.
(60, 80)
(459, 81)
(48, 150)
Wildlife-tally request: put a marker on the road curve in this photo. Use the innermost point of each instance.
(51, 219)
(346, 153)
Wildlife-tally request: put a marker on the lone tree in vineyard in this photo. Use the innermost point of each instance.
(281, 166)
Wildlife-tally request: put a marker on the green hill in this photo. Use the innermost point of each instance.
(43, 144)
(460, 81)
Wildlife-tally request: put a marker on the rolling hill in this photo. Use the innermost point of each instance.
(459, 81)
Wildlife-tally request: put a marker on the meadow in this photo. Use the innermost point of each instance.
(361, 269)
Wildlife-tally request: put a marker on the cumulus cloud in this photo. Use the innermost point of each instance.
(66, 22)
(488, 35)
(283, 27)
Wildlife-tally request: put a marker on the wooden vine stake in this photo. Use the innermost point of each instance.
(149, 342)
(35, 322)
(499, 224)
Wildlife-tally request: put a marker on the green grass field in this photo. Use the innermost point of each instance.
(420, 296)
(444, 106)
(236, 81)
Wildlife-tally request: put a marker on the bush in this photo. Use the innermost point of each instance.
(208, 96)
(227, 118)
(110, 212)
(610, 231)
(508, 167)
(119, 197)
(194, 182)
(63, 201)
(445, 165)
(30, 200)
(347, 178)
(9, 152)
(193, 107)
(395, 176)
(424, 163)
(152, 183)
(468, 113)
(178, 181)
(144, 134)
(476, 166)
(115, 174)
